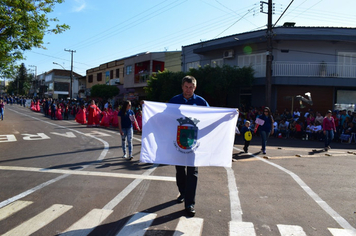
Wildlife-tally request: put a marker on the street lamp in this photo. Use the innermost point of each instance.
(59, 65)
(35, 78)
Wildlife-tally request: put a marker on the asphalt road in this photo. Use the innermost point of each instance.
(62, 178)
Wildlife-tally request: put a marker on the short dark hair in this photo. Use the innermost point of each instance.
(189, 79)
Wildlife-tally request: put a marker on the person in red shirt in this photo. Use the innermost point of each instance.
(93, 119)
(329, 129)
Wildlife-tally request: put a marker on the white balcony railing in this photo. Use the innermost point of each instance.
(309, 69)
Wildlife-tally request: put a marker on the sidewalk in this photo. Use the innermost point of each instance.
(288, 148)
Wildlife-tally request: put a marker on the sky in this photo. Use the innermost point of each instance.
(107, 30)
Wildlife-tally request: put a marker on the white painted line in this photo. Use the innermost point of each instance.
(89, 173)
(13, 208)
(241, 229)
(189, 226)
(7, 138)
(28, 192)
(235, 205)
(116, 200)
(19, 196)
(138, 224)
(35, 223)
(291, 230)
(338, 218)
(341, 232)
(86, 224)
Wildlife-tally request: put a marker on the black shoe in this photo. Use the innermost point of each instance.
(190, 211)
(245, 150)
(180, 199)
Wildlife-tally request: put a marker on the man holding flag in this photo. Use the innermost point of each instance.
(187, 133)
(187, 176)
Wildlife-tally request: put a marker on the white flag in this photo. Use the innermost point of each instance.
(187, 135)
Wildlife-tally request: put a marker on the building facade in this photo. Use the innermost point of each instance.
(57, 84)
(130, 74)
(316, 60)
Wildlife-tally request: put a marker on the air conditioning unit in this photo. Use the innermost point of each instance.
(115, 81)
(228, 54)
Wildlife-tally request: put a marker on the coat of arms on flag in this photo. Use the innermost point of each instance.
(187, 133)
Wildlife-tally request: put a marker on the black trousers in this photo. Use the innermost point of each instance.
(247, 143)
(187, 179)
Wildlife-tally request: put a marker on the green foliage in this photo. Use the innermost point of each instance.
(104, 91)
(162, 86)
(218, 85)
(23, 25)
(21, 83)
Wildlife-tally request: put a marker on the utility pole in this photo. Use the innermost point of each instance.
(269, 55)
(71, 73)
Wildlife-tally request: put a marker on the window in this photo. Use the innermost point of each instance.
(217, 62)
(257, 61)
(158, 68)
(128, 70)
(99, 77)
(346, 63)
(111, 74)
(90, 78)
(117, 73)
(192, 65)
(64, 87)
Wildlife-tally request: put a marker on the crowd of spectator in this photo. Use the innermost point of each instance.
(304, 125)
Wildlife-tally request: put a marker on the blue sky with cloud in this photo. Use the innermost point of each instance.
(102, 31)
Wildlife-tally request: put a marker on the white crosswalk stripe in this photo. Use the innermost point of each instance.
(241, 229)
(88, 223)
(291, 230)
(138, 224)
(37, 222)
(342, 232)
(189, 226)
(13, 208)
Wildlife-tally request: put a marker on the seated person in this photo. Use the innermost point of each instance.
(275, 125)
(346, 135)
(298, 130)
(283, 128)
(309, 131)
(318, 131)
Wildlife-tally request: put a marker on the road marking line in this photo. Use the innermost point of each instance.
(189, 226)
(101, 157)
(13, 208)
(28, 192)
(338, 218)
(88, 173)
(241, 229)
(7, 138)
(37, 222)
(116, 200)
(291, 230)
(342, 232)
(87, 223)
(138, 224)
(235, 204)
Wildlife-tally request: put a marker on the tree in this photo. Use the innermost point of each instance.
(23, 25)
(21, 83)
(220, 86)
(104, 91)
(162, 86)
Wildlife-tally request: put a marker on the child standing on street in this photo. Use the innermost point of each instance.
(247, 135)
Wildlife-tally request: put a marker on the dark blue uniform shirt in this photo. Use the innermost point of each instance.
(195, 100)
